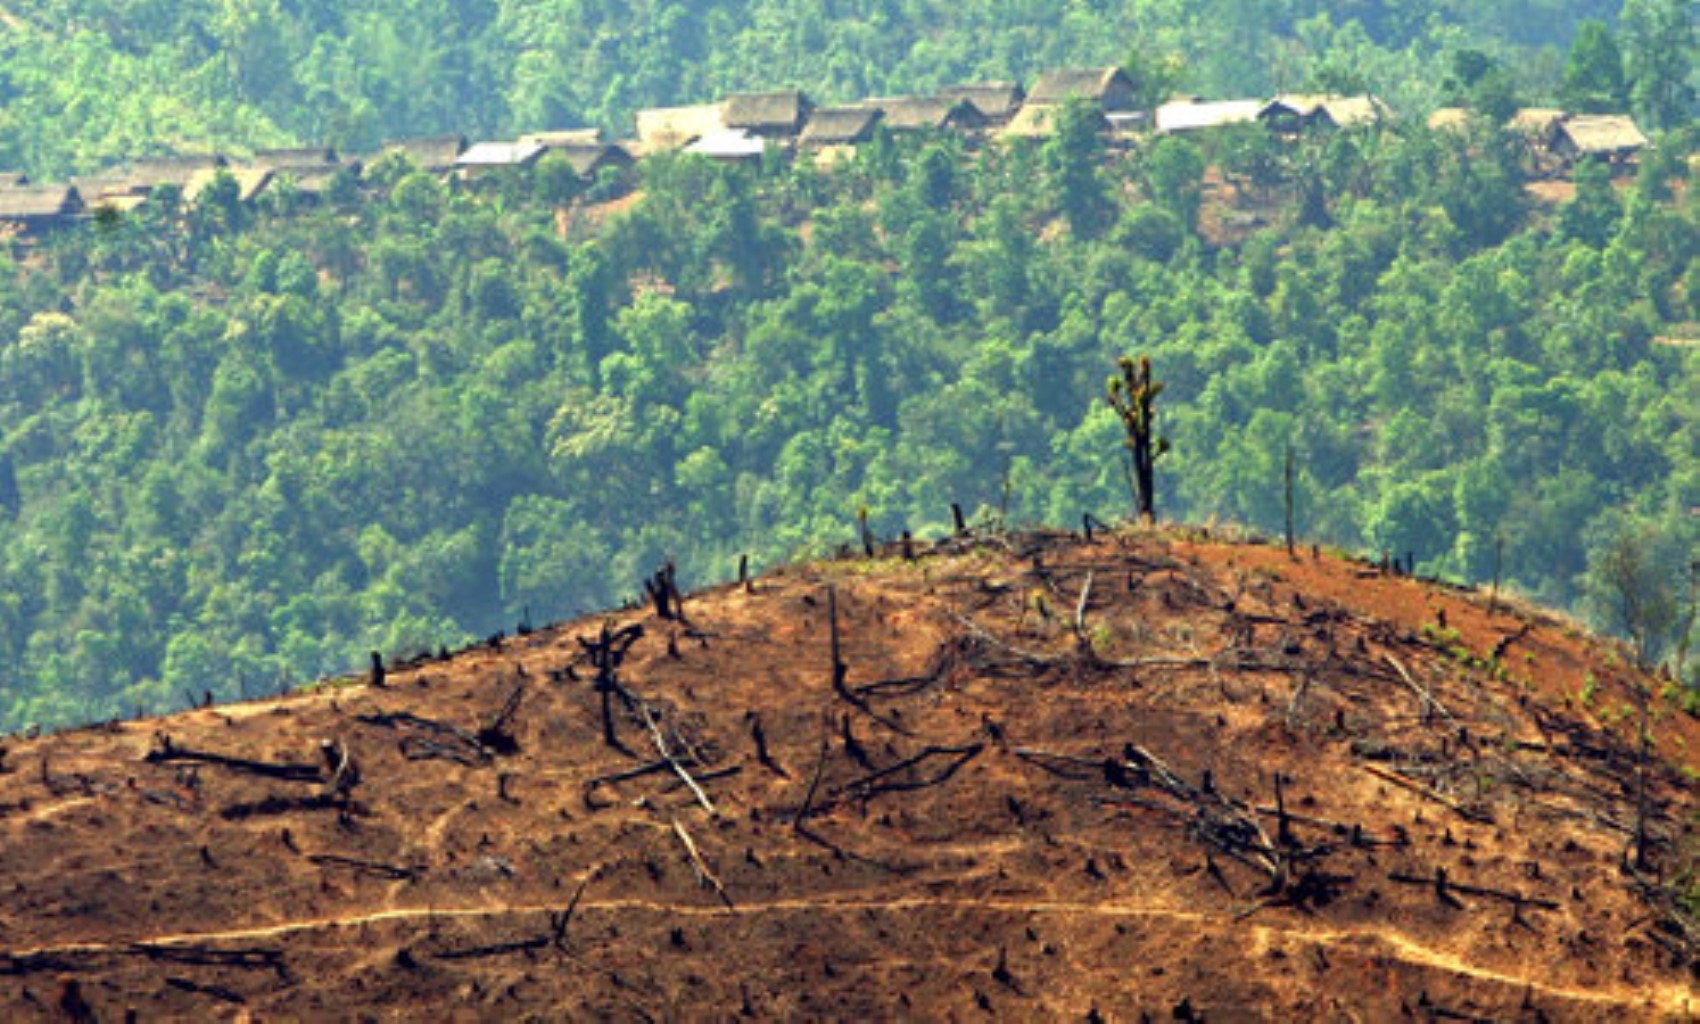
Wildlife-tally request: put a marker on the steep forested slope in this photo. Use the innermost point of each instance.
(239, 447)
(85, 82)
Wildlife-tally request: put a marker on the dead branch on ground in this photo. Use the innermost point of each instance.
(168, 752)
(705, 877)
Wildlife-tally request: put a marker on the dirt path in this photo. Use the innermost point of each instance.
(1670, 999)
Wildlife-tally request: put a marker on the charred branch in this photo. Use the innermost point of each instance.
(763, 755)
(904, 775)
(497, 736)
(1462, 809)
(377, 869)
(168, 752)
(428, 739)
(275, 805)
(218, 992)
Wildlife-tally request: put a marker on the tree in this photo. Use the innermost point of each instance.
(1073, 155)
(1482, 84)
(1592, 216)
(1133, 395)
(1660, 60)
(1593, 71)
(1174, 176)
(1155, 77)
(1635, 582)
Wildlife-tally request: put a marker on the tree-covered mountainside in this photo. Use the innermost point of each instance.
(243, 445)
(84, 83)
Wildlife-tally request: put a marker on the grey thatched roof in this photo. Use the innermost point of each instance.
(313, 181)
(921, 113)
(1601, 134)
(1450, 119)
(429, 153)
(1097, 85)
(834, 126)
(289, 159)
(769, 113)
(252, 181)
(1037, 121)
(36, 202)
(588, 158)
(998, 101)
(1538, 121)
(562, 137)
(153, 172)
(1339, 111)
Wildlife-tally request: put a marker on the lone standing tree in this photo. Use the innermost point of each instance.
(1133, 395)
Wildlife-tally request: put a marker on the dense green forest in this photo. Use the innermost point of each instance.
(242, 446)
(84, 83)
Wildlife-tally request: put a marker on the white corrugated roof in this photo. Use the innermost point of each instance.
(498, 154)
(1187, 117)
(731, 142)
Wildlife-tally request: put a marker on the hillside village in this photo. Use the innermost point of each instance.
(746, 127)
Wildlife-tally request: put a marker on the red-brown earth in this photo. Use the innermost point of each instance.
(1148, 774)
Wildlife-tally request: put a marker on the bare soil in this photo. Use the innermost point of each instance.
(1153, 773)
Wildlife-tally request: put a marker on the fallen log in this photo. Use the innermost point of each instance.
(1442, 882)
(252, 959)
(704, 875)
(366, 867)
(168, 752)
(673, 762)
(1463, 810)
(218, 992)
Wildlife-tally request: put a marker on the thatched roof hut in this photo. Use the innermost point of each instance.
(997, 102)
(291, 159)
(1040, 122)
(1598, 137)
(36, 209)
(840, 126)
(563, 137)
(929, 113)
(1450, 119)
(588, 159)
(1537, 123)
(664, 128)
(433, 154)
(1107, 88)
(1295, 111)
(153, 172)
(251, 182)
(775, 114)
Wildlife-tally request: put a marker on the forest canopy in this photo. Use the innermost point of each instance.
(244, 444)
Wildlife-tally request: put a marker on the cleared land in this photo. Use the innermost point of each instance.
(1147, 773)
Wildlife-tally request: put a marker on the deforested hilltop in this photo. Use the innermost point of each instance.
(1033, 775)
